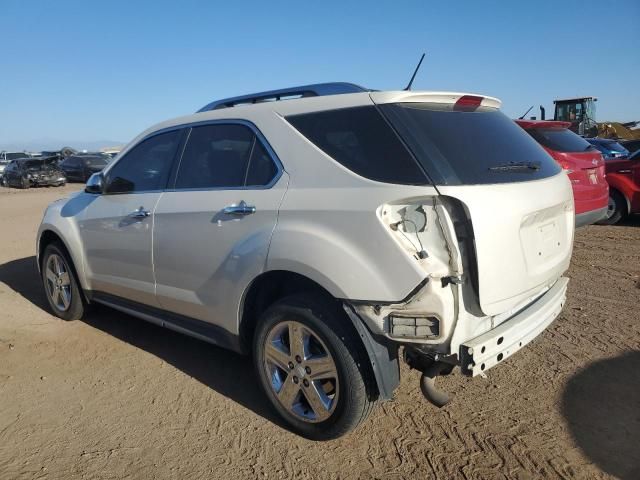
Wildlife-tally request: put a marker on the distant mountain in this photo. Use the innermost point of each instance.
(56, 144)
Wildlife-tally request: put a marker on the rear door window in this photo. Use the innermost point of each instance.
(461, 147)
(224, 156)
(560, 139)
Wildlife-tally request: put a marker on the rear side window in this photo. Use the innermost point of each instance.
(360, 139)
(461, 147)
(261, 167)
(560, 139)
(224, 156)
(146, 166)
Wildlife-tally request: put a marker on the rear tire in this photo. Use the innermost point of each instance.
(326, 391)
(616, 210)
(60, 283)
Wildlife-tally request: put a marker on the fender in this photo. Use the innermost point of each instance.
(625, 186)
(341, 263)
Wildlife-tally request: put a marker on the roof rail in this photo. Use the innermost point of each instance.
(317, 90)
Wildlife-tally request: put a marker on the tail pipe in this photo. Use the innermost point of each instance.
(428, 384)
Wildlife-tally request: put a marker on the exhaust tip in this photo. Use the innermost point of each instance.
(434, 395)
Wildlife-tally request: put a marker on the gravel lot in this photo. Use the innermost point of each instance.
(115, 397)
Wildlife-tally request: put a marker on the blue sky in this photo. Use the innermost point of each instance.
(106, 70)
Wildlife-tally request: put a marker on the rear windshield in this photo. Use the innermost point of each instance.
(616, 147)
(560, 139)
(418, 144)
(458, 147)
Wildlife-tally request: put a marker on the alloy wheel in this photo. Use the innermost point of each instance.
(301, 371)
(58, 282)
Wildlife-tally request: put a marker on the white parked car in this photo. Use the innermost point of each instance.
(320, 228)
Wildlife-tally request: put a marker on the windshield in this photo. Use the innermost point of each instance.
(469, 147)
(33, 164)
(14, 156)
(560, 140)
(96, 161)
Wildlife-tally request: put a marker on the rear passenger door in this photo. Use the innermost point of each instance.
(213, 225)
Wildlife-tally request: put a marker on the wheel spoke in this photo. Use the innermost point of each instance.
(288, 392)
(56, 265)
(277, 357)
(297, 340)
(316, 401)
(55, 296)
(322, 367)
(66, 297)
(50, 275)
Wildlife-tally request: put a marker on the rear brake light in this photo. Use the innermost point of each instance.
(468, 102)
(565, 166)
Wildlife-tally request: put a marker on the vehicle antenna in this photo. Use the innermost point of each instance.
(525, 113)
(414, 73)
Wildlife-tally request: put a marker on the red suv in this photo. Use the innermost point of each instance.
(582, 161)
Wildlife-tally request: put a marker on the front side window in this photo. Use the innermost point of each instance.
(146, 166)
(224, 156)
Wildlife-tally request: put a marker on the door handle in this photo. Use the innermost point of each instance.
(139, 213)
(241, 209)
(624, 171)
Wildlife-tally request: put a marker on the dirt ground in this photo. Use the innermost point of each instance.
(115, 397)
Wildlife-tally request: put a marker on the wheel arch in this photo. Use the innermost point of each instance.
(49, 235)
(266, 289)
(271, 286)
(619, 185)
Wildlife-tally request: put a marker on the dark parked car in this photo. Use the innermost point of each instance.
(631, 145)
(78, 168)
(609, 148)
(29, 172)
(6, 157)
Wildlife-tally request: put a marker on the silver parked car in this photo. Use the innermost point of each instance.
(320, 228)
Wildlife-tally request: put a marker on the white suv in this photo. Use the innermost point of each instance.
(320, 228)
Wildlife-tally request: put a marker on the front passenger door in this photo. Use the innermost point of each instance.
(117, 226)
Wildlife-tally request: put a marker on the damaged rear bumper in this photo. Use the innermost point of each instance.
(483, 352)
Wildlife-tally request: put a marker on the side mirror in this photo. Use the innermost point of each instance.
(95, 184)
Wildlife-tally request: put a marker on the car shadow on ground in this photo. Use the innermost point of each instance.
(226, 372)
(630, 221)
(601, 405)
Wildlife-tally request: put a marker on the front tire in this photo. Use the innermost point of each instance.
(616, 209)
(24, 183)
(60, 283)
(312, 367)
